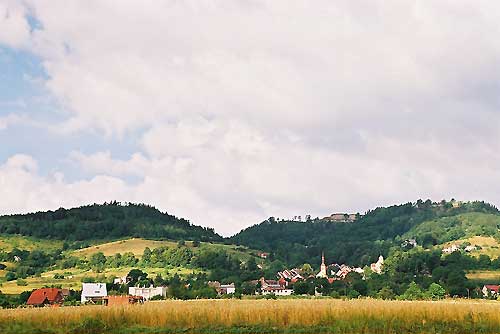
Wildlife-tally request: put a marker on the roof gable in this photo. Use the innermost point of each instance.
(45, 295)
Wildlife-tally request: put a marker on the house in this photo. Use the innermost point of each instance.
(121, 280)
(291, 274)
(277, 288)
(148, 293)
(46, 296)
(227, 289)
(470, 248)
(92, 292)
(409, 243)
(377, 266)
(263, 255)
(222, 289)
(122, 300)
(451, 249)
(490, 290)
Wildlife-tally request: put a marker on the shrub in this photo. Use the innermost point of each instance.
(21, 282)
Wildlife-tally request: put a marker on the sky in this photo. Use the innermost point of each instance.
(229, 112)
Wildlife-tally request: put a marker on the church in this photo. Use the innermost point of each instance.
(322, 272)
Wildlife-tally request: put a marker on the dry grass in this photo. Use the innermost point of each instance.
(134, 245)
(491, 276)
(489, 246)
(266, 316)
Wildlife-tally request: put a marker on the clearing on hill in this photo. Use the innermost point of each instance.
(134, 245)
(137, 246)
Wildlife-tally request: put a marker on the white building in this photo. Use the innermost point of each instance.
(227, 289)
(377, 266)
(322, 272)
(451, 249)
(277, 291)
(147, 293)
(92, 291)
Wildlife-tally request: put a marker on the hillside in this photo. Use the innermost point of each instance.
(362, 241)
(446, 229)
(104, 222)
(137, 246)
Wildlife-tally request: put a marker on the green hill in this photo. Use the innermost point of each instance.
(362, 241)
(461, 226)
(104, 222)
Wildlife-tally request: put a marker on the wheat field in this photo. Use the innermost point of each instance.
(261, 316)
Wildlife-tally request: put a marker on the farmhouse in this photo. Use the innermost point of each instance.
(92, 292)
(46, 296)
(490, 290)
(148, 293)
(451, 249)
(222, 289)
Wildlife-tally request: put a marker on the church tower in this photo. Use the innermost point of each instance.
(322, 272)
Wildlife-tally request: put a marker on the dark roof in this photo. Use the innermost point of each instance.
(45, 295)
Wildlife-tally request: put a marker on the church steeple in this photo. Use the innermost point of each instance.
(322, 272)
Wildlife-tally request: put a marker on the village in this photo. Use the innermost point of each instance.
(281, 285)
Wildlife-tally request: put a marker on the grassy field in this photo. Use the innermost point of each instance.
(489, 246)
(261, 316)
(9, 242)
(73, 278)
(134, 245)
(488, 276)
(137, 246)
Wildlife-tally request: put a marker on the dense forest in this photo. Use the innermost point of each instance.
(105, 222)
(362, 241)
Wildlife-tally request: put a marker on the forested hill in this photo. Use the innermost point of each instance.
(105, 222)
(362, 241)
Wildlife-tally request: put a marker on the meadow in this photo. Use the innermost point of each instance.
(261, 316)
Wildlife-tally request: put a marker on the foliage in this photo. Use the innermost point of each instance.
(106, 221)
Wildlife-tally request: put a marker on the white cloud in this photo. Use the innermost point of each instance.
(14, 28)
(251, 108)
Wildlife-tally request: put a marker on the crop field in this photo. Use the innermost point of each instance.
(261, 316)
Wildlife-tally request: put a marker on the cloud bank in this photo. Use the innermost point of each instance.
(245, 109)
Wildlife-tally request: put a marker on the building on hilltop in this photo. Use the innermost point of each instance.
(341, 218)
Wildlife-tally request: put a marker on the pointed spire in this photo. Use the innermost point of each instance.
(323, 258)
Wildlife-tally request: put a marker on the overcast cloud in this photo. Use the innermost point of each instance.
(244, 109)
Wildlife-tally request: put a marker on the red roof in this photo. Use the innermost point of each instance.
(492, 287)
(45, 295)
